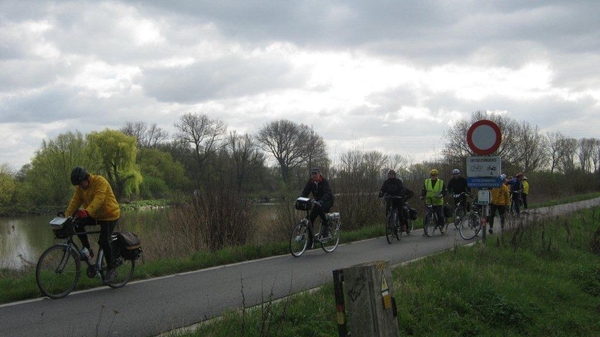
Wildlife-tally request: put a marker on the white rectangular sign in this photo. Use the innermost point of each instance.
(484, 166)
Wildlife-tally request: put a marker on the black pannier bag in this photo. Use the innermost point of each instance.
(412, 213)
(303, 204)
(448, 211)
(129, 245)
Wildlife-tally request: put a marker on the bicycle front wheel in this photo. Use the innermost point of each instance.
(389, 227)
(429, 224)
(124, 269)
(58, 271)
(330, 244)
(299, 238)
(458, 215)
(470, 226)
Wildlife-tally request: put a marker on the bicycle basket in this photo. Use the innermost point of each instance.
(303, 204)
(62, 227)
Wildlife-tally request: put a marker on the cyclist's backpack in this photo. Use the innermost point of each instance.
(129, 245)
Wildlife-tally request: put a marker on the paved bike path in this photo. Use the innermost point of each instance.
(150, 307)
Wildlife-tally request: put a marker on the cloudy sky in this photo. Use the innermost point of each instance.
(389, 76)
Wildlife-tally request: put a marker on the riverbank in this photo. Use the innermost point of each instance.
(21, 211)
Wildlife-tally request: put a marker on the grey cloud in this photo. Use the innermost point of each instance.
(222, 78)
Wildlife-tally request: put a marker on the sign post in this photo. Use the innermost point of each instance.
(483, 172)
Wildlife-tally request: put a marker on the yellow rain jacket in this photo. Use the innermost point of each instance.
(99, 200)
(501, 195)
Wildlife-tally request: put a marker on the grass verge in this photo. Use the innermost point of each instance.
(539, 280)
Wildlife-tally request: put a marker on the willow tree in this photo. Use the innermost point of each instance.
(117, 154)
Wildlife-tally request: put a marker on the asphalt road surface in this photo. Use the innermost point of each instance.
(151, 307)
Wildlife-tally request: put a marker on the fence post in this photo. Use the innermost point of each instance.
(370, 303)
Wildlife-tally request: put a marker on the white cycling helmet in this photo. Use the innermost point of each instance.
(456, 171)
(503, 176)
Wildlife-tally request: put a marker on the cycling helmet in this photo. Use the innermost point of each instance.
(391, 172)
(433, 172)
(78, 175)
(519, 175)
(456, 171)
(503, 176)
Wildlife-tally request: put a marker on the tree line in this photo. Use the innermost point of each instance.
(203, 157)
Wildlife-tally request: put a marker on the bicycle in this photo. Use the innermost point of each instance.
(512, 211)
(409, 218)
(59, 267)
(302, 235)
(430, 220)
(392, 223)
(471, 224)
(461, 207)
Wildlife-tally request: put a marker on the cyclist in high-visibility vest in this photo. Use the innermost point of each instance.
(434, 191)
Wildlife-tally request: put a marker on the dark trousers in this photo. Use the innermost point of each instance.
(106, 229)
(524, 197)
(398, 205)
(501, 209)
(320, 211)
(439, 210)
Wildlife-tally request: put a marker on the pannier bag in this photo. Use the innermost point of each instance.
(303, 204)
(62, 227)
(412, 213)
(447, 211)
(129, 245)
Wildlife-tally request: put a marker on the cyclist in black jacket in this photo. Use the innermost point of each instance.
(321, 191)
(394, 187)
(457, 185)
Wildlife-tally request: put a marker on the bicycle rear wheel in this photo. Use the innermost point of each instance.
(58, 271)
(470, 226)
(429, 224)
(330, 244)
(124, 269)
(299, 238)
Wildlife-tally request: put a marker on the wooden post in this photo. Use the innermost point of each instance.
(369, 300)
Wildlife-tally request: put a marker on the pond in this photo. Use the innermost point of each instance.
(23, 239)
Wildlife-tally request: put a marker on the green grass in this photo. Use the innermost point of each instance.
(503, 287)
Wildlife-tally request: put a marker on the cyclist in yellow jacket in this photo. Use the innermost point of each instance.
(500, 199)
(100, 207)
(525, 193)
(434, 192)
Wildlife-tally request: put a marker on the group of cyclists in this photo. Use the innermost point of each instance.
(94, 201)
(433, 191)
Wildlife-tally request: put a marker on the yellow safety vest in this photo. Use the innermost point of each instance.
(433, 192)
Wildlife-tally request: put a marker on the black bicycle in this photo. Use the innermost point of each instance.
(393, 227)
(430, 220)
(302, 236)
(462, 207)
(59, 268)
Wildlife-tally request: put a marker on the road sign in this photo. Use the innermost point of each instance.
(488, 166)
(484, 182)
(484, 137)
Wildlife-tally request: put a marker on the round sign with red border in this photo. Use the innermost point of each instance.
(484, 137)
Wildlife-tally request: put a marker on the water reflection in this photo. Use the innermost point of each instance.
(23, 239)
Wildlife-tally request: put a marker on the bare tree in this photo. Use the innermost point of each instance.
(554, 149)
(147, 136)
(247, 158)
(531, 148)
(288, 142)
(596, 155)
(568, 149)
(316, 154)
(585, 152)
(203, 134)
